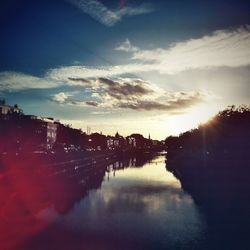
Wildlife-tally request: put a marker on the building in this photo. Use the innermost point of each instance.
(110, 142)
(26, 133)
(44, 131)
(131, 141)
(7, 109)
(116, 142)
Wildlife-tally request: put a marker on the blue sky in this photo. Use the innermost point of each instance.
(158, 67)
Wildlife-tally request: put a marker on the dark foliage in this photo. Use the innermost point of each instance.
(213, 165)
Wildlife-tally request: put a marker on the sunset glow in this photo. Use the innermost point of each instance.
(119, 74)
(124, 124)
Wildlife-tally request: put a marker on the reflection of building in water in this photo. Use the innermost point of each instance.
(51, 134)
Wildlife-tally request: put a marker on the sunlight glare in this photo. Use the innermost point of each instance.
(192, 119)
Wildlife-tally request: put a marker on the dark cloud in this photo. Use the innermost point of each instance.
(92, 103)
(120, 89)
(144, 105)
(184, 100)
(131, 94)
(82, 80)
(125, 90)
(107, 81)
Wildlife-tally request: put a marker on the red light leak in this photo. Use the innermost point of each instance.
(25, 191)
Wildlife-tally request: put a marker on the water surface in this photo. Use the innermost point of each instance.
(138, 206)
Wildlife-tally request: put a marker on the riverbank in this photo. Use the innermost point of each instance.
(220, 186)
(213, 166)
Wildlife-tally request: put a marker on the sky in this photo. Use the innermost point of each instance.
(149, 67)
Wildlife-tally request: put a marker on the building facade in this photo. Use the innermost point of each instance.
(7, 109)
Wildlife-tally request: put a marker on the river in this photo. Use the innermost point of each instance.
(138, 205)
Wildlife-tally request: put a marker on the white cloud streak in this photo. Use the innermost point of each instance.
(106, 16)
(63, 73)
(229, 48)
(14, 81)
(223, 48)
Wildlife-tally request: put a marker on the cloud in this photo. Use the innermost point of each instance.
(143, 105)
(126, 46)
(118, 88)
(135, 94)
(223, 48)
(60, 97)
(126, 88)
(92, 103)
(14, 81)
(183, 101)
(106, 16)
(229, 48)
(100, 112)
(81, 80)
(63, 98)
(83, 72)
(107, 88)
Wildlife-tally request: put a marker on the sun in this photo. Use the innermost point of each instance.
(191, 119)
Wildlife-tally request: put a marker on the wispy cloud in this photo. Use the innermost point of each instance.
(14, 81)
(67, 98)
(229, 48)
(82, 72)
(223, 48)
(127, 46)
(100, 112)
(106, 16)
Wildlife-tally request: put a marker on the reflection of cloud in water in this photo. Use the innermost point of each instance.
(142, 198)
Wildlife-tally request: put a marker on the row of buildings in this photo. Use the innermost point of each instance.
(20, 132)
